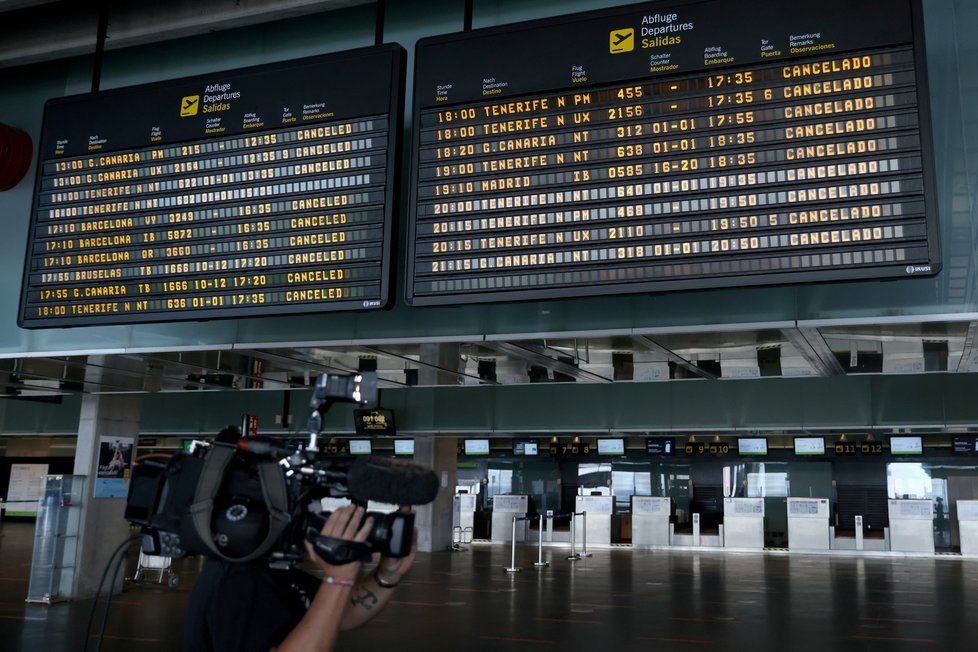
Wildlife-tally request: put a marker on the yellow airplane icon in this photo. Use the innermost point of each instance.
(189, 105)
(622, 40)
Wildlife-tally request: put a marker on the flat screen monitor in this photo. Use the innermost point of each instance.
(752, 446)
(660, 446)
(906, 446)
(373, 423)
(611, 446)
(476, 446)
(965, 445)
(525, 447)
(809, 446)
(404, 447)
(360, 447)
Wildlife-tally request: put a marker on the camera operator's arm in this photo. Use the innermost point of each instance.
(321, 623)
(373, 591)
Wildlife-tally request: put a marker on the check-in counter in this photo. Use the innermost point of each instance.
(743, 523)
(650, 520)
(968, 526)
(911, 525)
(808, 524)
(504, 508)
(599, 510)
(463, 517)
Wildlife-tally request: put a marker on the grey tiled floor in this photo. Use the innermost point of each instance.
(618, 599)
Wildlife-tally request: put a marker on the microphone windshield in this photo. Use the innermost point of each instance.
(392, 481)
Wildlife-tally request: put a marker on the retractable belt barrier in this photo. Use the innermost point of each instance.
(513, 568)
(574, 556)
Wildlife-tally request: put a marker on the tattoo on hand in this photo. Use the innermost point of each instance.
(365, 599)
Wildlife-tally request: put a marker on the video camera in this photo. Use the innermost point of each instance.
(244, 499)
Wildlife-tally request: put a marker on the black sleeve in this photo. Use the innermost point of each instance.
(239, 608)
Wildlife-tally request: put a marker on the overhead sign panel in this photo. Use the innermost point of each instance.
(669, 146)
(264, 190)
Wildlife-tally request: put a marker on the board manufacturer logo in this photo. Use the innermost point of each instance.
(189, 106)
(622, 40)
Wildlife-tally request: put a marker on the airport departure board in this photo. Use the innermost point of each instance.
(265, 190)
(671, 146)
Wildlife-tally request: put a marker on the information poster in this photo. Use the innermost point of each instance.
(114, 467)
(24, 489)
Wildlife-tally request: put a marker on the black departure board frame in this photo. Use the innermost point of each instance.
(672, 146)
(258, 191)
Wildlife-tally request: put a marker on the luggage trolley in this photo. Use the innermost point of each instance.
(158, 564)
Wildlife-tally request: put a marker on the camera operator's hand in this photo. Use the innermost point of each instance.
(347, 524)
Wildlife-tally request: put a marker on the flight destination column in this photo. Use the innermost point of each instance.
(806, 169)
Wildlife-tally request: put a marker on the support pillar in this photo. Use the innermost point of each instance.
(434, 521)
(440, 364)
(103, 526)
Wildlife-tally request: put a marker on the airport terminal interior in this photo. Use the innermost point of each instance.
(675, 302)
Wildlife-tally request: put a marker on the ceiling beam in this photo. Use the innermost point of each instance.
(70, 29)
(543, 360)
(649, 344)
(812, 346)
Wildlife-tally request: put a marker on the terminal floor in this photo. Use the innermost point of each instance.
(617, 599)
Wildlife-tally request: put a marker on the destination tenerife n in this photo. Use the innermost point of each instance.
(264, 190)
(668, 146)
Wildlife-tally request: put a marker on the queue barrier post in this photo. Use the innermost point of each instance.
(573, 528)
(513, 568)
(584, 552)
(539, 562)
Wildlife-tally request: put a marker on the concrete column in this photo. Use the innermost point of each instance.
(434, 521)
(440, 362)
(103, 526)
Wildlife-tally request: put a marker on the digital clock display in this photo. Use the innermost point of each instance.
(669, 146)
(264, 190)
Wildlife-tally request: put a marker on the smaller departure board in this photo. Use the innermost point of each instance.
(670, 146)
(264, 190)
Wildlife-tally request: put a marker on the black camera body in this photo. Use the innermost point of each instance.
(247, 499)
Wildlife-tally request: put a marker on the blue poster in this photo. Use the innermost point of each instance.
(114, 467)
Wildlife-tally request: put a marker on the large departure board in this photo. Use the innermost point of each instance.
(265, 190)
(670, 146)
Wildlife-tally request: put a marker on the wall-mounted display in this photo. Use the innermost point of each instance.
(752, 446)
(672, 145)
(404, 447)
(523, 447)
(906, 446)
(611, 446)
(360, 447)
(660, 446)
(809, 445)
(264, 190)
(476, 447)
